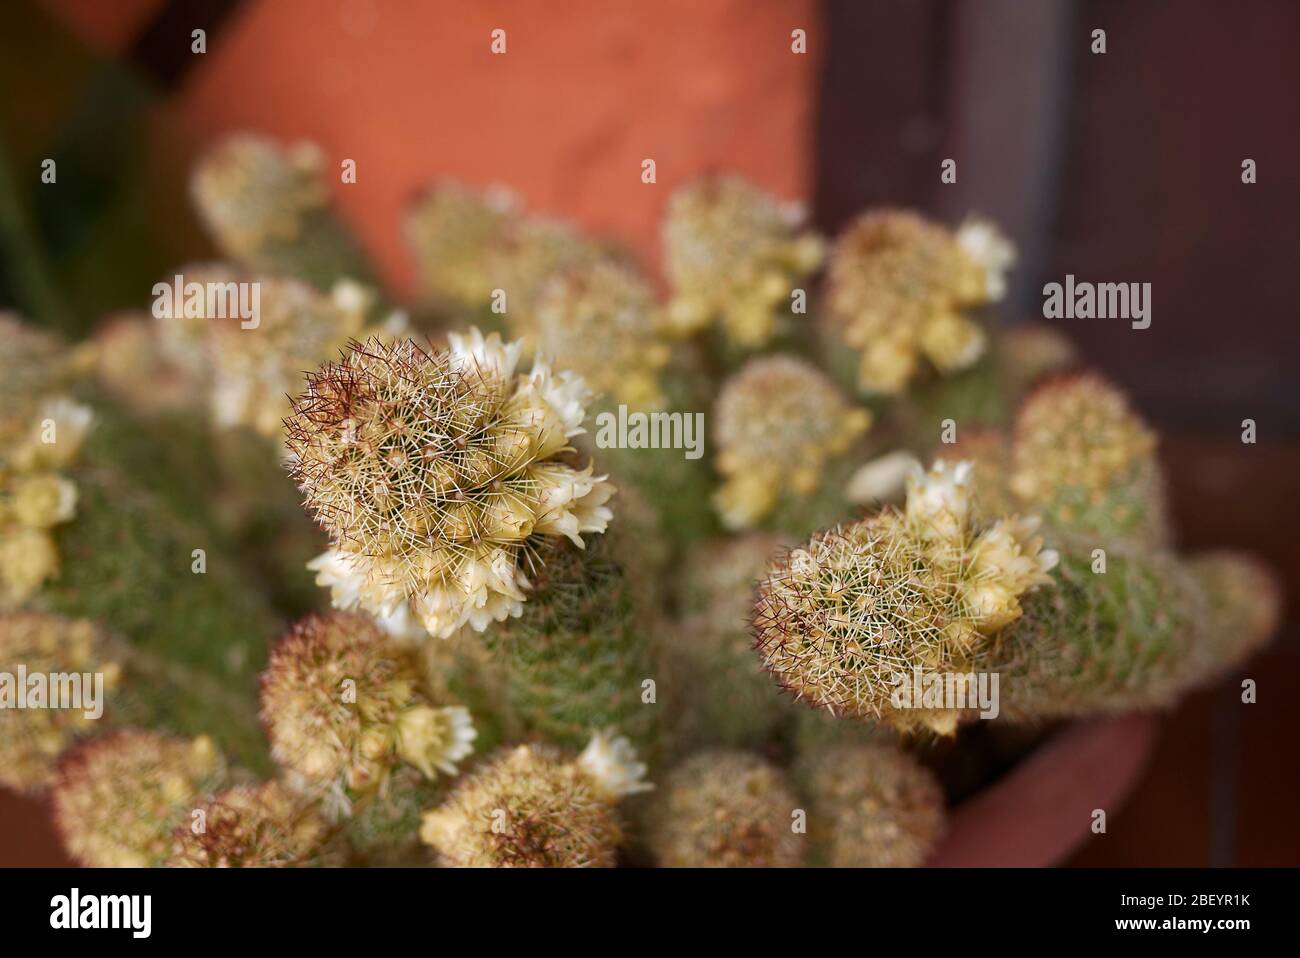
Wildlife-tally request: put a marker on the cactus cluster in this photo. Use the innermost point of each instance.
(345, 705)
(514, 652)
(119, 799)
(1112, 621)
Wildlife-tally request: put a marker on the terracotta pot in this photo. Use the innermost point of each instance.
(1042, 810)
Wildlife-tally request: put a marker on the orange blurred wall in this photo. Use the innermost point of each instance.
(586, 90)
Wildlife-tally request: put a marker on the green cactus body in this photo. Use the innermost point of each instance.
(851, 620)
(577, 656)
(191, 643)
(385, 831)
(726, 699)
(1131, 637)
(1085, 462)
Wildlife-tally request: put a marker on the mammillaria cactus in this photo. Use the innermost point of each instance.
(871, 806)
(251, 826)
(898, 287)
(463, 499)
(725, 809)
(845, 621)
(602, 318)
(344, 705)
(779, 420)
(1083, 460)
(268, 206)
(33, 737)
(472, 246)
(733, 253)
(117, 799)
(840, 618)
(433, 471)
(454, 231)
(534, 807)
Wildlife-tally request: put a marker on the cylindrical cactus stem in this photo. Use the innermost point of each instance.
(267, 825)
(536, 807)
(864, 620)
(1085, 462)
(734, 254)
(61, 654)
(268, 207)
(870, 806)
(578, 656)
(1244, 598)
(345, 705)
(726, 809)
(385, 830)
(188, 629)
(1131, 637)
(117, 799)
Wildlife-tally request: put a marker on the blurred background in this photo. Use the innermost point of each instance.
(1116, 167)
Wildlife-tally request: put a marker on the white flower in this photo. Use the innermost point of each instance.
(1010, 552)
(352, 297)
(71, 422)
(488, 588)
(338, 573)
(486, 354)
(569, 502)
(67, 504)
(611, 762)
(882, 479)
(938, 501)
(565, 392)
(984, 243)
(432, 738)
(357, 582)
(231, 398)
